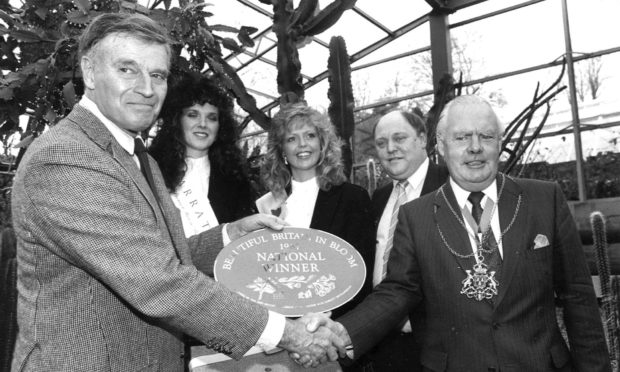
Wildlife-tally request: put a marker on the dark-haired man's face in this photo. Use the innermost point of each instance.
(400, 149)
(126, 78)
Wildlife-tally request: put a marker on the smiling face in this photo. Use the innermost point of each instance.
(126, 78)
(400, 148)
(200, 124)
(302, 149)
(470, 145)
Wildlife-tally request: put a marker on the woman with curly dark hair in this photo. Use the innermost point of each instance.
(304, 172)
(196, 149)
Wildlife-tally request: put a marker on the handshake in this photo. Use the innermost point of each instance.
(314, 338)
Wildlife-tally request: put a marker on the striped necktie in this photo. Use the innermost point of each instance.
(493, 259)
(401, 198)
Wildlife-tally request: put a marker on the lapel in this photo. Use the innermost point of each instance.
(99, 134)
(217, 195)
(435, 177)
(325, 208)
(380, 199)
(453, 231)
(514, 238)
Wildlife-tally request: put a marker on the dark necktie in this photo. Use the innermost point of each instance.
(493, 259)
(140, 151)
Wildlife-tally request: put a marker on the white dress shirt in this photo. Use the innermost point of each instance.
(297, 209)
(413, 191)
(274, 330)
(300, 204)
(490, 192)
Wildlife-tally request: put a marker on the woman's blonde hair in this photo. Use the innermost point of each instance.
(276, 175)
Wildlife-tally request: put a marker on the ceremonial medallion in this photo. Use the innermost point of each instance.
(481, 285)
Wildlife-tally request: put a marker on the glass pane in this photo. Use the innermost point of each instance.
(235, 14)
(392, 79)
(482, 8)
(350, 26)
(316, 96)
(313, 58)
(594, 24)
(260, 76)
(397, 14)
(413, 40)
(522, 38)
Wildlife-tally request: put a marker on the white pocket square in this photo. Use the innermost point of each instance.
(540, 241)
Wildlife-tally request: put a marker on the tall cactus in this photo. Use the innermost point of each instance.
(291, 25)
(371, 172)
(609, 297)
(340, 94)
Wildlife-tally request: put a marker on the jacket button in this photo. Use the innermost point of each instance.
(495, 325)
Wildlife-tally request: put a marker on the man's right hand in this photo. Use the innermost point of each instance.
(258, 221)
(311, 339)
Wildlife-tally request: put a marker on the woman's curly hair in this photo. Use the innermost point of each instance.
(276, 175)
(168, 148)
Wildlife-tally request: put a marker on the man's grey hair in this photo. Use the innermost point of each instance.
(465, 100)
(135, 25)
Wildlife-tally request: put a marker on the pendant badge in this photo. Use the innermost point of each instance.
(481, 284)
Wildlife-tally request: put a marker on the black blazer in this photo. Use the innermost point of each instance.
(230, 198)
(345, 211)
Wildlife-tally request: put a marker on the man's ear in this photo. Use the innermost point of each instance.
(88, 72)
(440, 145)
(423, 139)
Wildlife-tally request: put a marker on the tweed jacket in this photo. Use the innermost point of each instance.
(517, 331)
(106, 279)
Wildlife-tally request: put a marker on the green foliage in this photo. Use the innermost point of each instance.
(39, 54)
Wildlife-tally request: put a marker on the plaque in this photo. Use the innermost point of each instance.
(293, 271)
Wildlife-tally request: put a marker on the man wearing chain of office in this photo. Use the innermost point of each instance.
(491, 255)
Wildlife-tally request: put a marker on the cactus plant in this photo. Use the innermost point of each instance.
(340, 95)
(371, 173)
(291, 25)
(609, 301)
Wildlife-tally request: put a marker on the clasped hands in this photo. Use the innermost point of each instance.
(314, 338)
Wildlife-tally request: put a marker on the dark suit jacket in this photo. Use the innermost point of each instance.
(518, 330)
(107, 280)
(230, 198)
(396, 352)
(345, 211)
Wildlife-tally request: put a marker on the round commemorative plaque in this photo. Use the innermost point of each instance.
(293, 271)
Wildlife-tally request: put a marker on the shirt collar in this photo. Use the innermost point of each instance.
(201, 163)
(122, 137)
(416, 179)
(461, 195)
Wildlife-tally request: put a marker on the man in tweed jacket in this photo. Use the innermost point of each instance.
(106, 279)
